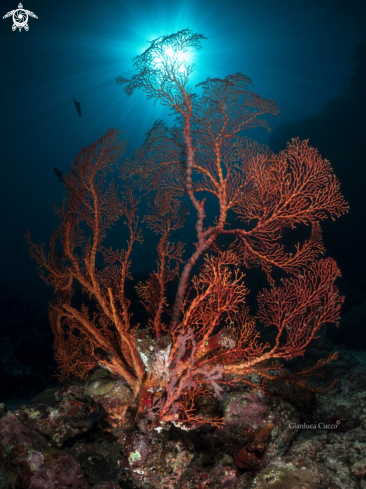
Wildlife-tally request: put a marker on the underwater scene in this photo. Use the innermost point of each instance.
(183, 272)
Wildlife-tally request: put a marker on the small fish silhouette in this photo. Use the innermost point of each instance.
(59, 174)
(77, 106)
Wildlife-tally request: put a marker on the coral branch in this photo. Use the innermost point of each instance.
(203, 160)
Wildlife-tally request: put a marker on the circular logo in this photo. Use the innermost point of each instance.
(20, 19)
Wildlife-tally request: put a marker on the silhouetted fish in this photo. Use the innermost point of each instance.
(77, 106)
(59, 174)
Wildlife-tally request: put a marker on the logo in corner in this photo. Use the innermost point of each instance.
(20, 18)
